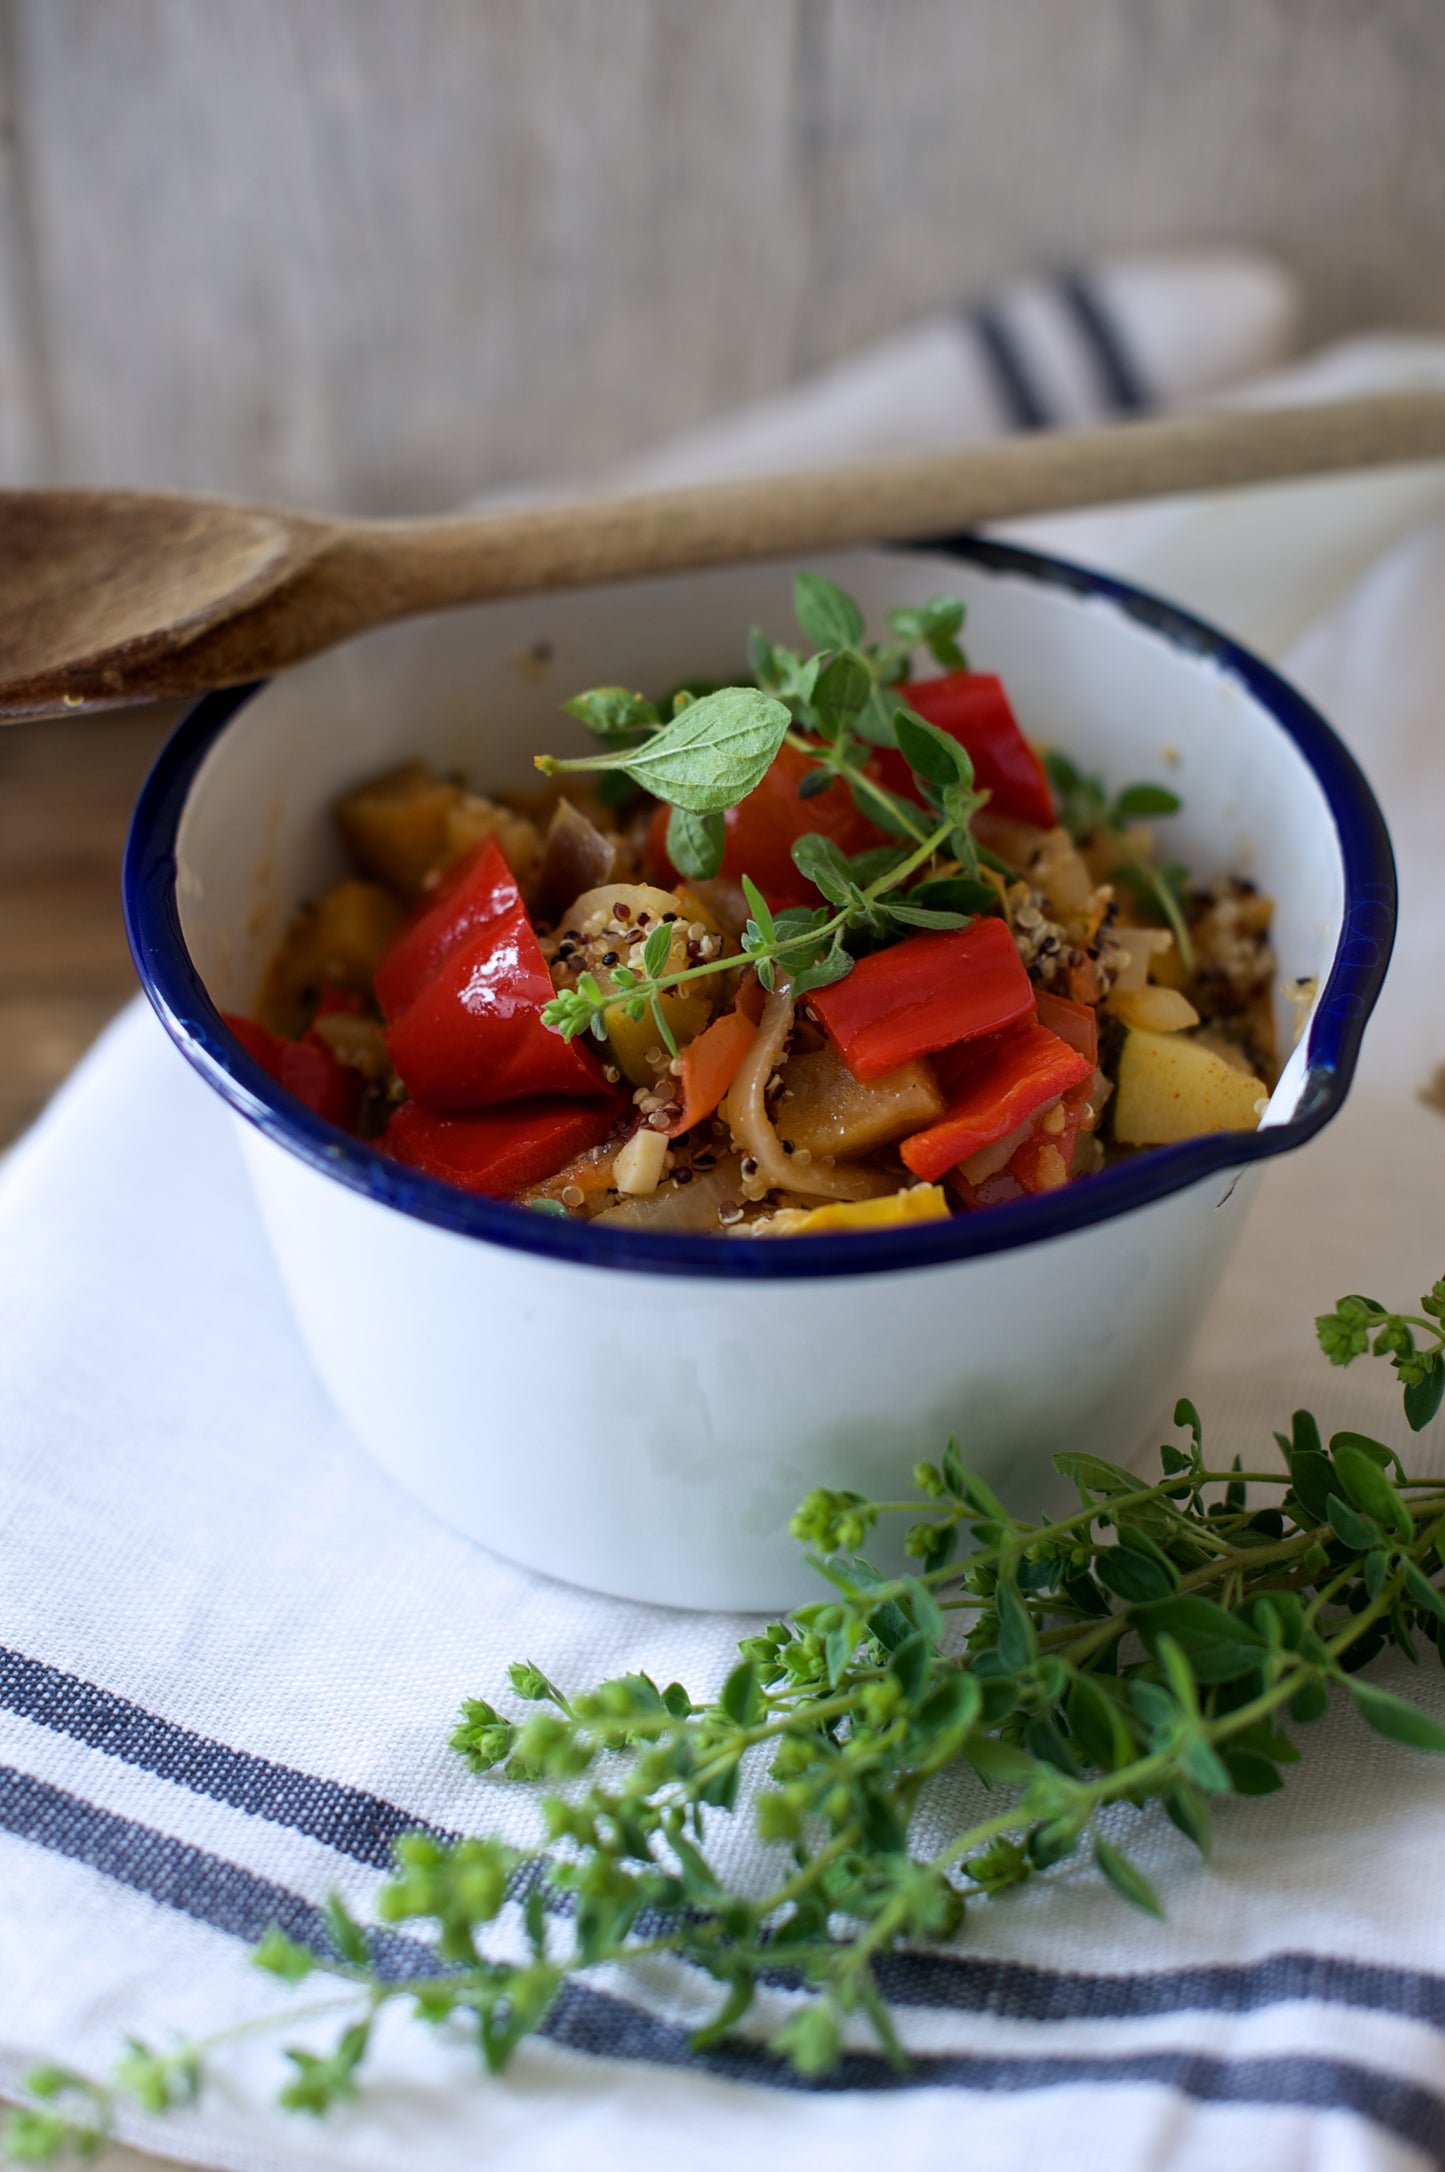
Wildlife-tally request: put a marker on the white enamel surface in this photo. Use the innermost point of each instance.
(472, 1372)
(650, 1435)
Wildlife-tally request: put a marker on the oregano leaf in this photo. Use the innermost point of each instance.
(695, 844)
(614, 712)
(1424, 1396)
(827, 613)
(1395, 1718)
(1138, 801)
(934, 756)
(708, 758)
(1126, 1878)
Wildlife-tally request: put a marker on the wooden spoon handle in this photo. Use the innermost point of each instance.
(422, 565)
(111, 597)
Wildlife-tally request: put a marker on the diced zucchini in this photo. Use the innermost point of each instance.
(687, 1010)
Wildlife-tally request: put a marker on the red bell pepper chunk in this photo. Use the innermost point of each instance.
(463, 987)
(1076, 1023)
(1043, 1162)
(265, 1047)
(306, 1068)
(762, 830)
(476, 890)
(340, 1003)
(1028, 1068)
(972, 707)
(925, 993)
(500, 1151)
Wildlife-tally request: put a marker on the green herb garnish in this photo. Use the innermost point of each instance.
(1163, 1643)
(711, 754)
(835, 706)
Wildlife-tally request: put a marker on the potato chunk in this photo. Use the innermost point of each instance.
(396, 827)
(826, 1110)
(475, 820)
(675, 1206)
(1170, 1088)
(336, 943)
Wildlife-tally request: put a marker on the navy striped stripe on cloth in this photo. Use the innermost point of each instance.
(363, 1827)
(176, 1875)
(1018, 381)
(228, 1898)
(345, 1818)
(231, 1899)
(1024, 405)
(1120, 378)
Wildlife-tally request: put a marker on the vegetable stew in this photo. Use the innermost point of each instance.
(836, 948)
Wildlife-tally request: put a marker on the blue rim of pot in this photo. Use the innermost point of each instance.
(1351, 990)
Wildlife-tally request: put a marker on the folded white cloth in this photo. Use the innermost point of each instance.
(232, 1652)
(1268, 565)
(1120, 336)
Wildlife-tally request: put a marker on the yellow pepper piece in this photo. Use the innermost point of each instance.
(919, 1203)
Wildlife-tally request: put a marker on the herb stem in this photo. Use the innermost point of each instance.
(1167, 902)
(575, 1013)
(830, 758)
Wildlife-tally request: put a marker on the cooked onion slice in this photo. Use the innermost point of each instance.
(746, 1112)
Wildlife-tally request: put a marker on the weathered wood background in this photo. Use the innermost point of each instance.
(377, 253)
(381, 254)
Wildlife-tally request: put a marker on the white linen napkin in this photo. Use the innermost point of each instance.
(232, 1651)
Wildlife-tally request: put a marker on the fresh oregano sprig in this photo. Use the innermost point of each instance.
(708, 758)
(868, 895)
(808, 946)
(1165, 1642)
(717, 746)
(842, 699)
(1361, 1324)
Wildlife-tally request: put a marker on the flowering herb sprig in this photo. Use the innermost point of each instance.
(1164, 1643)
(835, 706)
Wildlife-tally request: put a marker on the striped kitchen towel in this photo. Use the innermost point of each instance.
(231, 1652)
(1116, 338)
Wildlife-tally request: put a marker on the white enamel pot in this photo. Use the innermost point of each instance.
(642, 1413)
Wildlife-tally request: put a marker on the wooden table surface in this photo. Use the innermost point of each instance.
(66, 791)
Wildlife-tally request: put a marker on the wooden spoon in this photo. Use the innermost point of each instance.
(110, 596)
